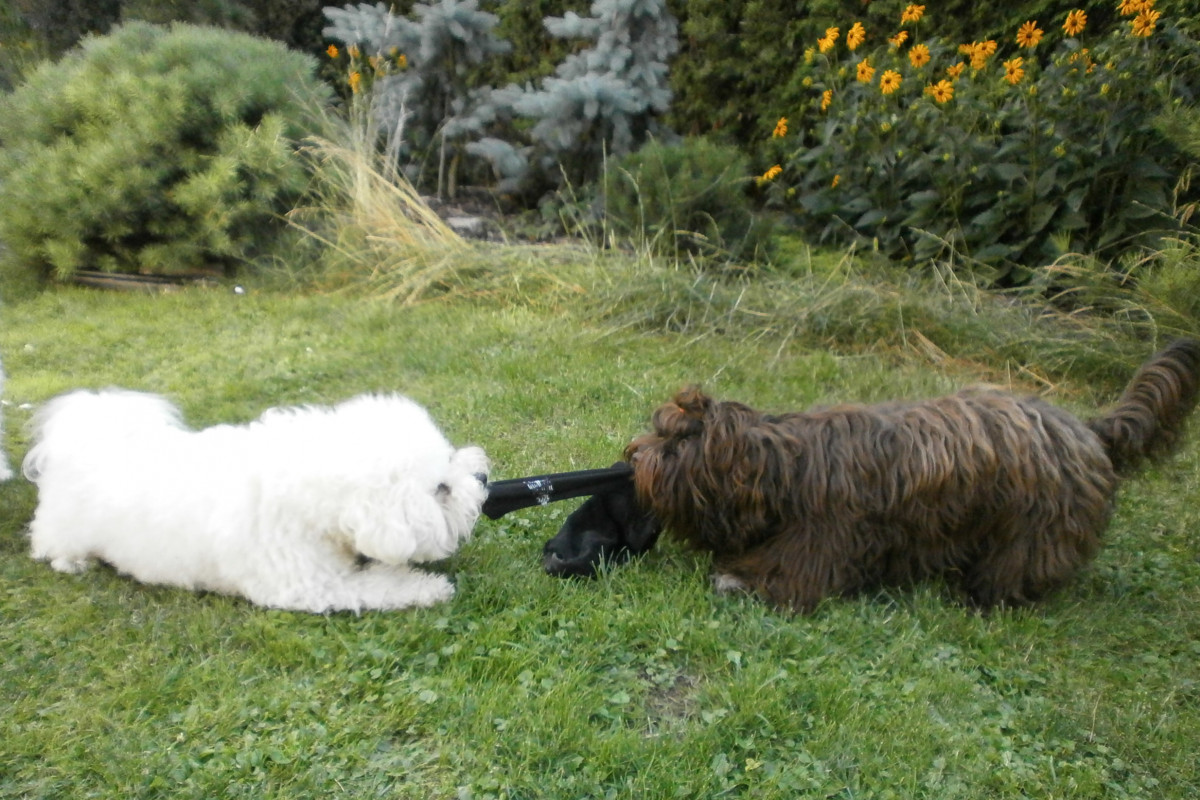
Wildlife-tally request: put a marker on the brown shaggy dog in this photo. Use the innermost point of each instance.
(1005, 496)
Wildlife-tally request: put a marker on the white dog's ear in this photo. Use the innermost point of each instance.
(400, 524)
(419, 520)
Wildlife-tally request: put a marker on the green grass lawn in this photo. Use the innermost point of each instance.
(641, 683)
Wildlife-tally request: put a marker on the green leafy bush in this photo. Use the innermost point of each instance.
(154, 150)
(919, 146)
(685, 198)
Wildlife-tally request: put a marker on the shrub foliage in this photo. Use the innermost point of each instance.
(154, 150)
(1009, 152)
(685, 198)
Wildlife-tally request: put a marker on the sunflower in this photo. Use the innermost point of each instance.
(889, 81)
(1029, 35)
(899, 39)
(826, 99)
(770, 175)
(856, 35)
(865, 71)
(1013, 73)
(919, 55)
(1129, 8)
(979, 53)
(956, 70)
(836, 180)
(912, 13)
(942, 91)
(827, 41)
(1083, 56)
(1076, 21)
(1143, 24)
(331, 51)
(780, 129)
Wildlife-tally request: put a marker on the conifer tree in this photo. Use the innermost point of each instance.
(440, 44)
(603, 100)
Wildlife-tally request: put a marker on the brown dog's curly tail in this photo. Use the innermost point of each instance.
(1149, 417)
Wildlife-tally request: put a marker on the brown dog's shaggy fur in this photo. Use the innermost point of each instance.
(1005, 496)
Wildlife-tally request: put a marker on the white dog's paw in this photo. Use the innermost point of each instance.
(72, 565)
(379, 587)
(434, 589)
(416, 588)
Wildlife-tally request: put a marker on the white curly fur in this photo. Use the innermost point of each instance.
(280, 511)
(5, 470)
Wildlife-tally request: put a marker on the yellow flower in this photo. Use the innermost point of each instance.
(836, 180)
(912, 13)
(1012, 70)
(979, 53)
(889, 81)
(780, 129)
(1076, 22)
(1129, 8)
(353, 51)
(831, 36)
(825, 44)
(919, 55)
(808, 55)
(770, 175)
(942, 91)
(856, 35)
(1029, 35)
(899, 39)
(402, 61)
(956, 70)
(826, 99)
(331, 51)
(1143, 24)
(355, 82)
(374, 62)
(865, 71)
(1084, 55)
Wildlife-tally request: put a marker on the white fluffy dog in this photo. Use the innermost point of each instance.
(5, 470)
(310, 508)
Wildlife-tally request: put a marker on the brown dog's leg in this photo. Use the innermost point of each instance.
(791, 571)
(1024, 560)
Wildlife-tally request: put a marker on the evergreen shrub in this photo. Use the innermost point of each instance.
(685, 198)
(154, 150)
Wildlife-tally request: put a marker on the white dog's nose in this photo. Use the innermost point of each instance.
(482, 478)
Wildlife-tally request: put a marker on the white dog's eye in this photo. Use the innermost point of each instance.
(443, 489)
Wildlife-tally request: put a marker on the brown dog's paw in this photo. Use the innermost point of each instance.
(726, 583)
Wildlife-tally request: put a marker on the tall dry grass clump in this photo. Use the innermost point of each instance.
(380, 235)
(381, 238)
